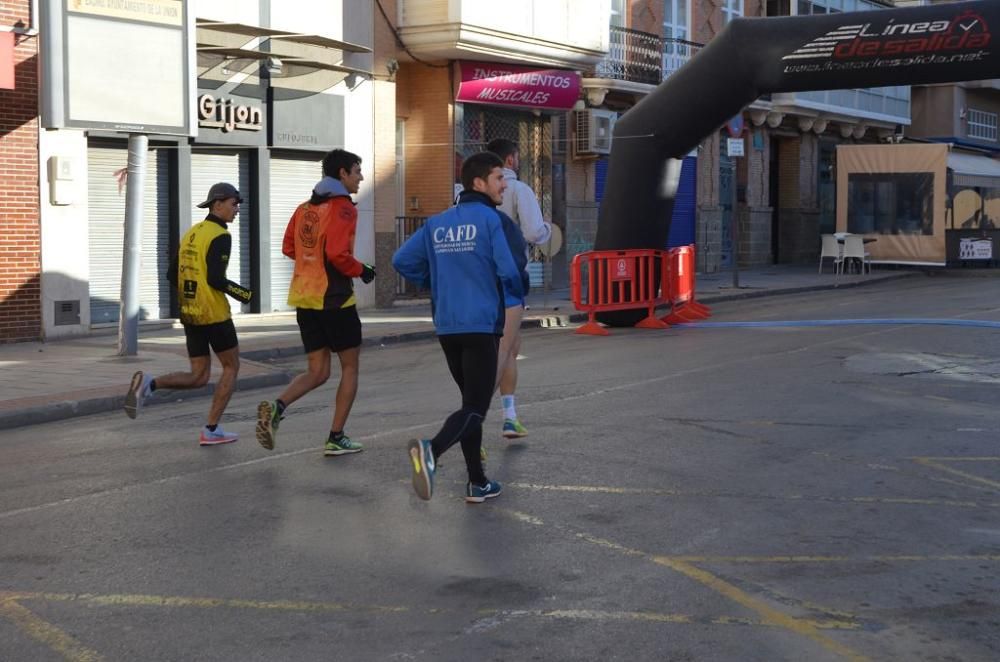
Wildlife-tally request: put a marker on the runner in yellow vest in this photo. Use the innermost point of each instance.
(198, 271)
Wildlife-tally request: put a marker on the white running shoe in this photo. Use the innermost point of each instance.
(216, 436)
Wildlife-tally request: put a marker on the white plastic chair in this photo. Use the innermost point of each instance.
(830, 248)
(854, 249)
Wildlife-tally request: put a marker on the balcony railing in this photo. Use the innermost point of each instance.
(633, 56)
(676, 52)
(641, 57)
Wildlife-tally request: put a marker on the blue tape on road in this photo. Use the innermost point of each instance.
(900, 321)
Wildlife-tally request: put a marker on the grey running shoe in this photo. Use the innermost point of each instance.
(138, 391)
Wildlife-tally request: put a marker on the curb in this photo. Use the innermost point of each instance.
(756, 294)
(64, 409)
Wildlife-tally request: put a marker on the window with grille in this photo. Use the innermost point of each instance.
(982, 125)
(476, 125)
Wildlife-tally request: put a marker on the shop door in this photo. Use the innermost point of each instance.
(292, 180)
(106, 211)
(827, 189)
(207, 168)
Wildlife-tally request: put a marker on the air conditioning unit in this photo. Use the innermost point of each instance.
(593, 131)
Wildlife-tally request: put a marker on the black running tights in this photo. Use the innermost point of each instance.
(472, 360)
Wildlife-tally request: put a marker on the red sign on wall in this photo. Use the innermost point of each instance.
(6, 60)
(513, 85)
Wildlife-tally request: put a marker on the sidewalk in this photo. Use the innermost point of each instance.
(66, 378)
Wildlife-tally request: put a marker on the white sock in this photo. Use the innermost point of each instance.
(508, 407)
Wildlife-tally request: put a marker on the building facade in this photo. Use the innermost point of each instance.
(780, 186)
(470, 72)
(20, 239)
(277, 86)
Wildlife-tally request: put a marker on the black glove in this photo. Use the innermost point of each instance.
(367, 274)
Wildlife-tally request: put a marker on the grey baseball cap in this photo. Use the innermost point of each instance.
(221, 191)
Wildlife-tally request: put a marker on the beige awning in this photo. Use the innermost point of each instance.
(284, 35)
(237, 46)
(889, 160)
(973, 170)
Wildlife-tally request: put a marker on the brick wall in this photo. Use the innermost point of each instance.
(424, 99)
(20, 239)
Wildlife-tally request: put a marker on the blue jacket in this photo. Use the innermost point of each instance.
(464, 256)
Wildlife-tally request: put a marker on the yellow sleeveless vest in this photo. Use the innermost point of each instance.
(200, 303)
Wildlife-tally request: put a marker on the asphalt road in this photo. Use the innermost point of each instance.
(775, 493)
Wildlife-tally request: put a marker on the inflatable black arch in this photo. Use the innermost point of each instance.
(752, 57)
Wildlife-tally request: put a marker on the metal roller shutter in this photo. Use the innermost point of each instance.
(106, 210)
(292, 179)
(682, 221)
(210, 167)
(600, 176)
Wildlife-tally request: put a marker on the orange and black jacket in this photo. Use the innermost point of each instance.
(320, 238)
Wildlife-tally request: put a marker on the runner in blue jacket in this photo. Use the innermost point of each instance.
(464, 256)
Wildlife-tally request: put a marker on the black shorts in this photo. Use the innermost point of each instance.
(219, 336)
(336, 329)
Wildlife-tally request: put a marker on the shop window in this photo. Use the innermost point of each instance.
(982, 125)
(890, 203)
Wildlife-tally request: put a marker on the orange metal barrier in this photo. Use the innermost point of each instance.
(617, 280)
(680, 288)
(606, 281)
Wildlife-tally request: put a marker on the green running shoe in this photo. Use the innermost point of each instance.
(513, 429)
(342, 446)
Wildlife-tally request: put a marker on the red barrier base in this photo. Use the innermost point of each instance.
(701, 308)
(652, 323)
(683, 315)
(593, 328)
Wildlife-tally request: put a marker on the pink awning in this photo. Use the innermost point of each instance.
(515, 85)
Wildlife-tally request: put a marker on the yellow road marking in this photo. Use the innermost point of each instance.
(909, 558)
(597, 615)
(937, 463)
(768, 614)
(600, 489)
(134, 600)
(46, 633)
(961, 459)
(138, 600)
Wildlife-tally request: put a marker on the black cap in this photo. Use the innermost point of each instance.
(221, 191)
